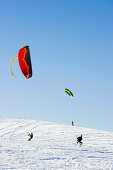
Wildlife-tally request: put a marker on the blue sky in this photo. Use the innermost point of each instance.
(71, 45)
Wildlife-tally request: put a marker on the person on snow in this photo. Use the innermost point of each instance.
(30, 136)
(79, 140)
(72, 123)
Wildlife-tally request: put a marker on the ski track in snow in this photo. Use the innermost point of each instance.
(53, 146)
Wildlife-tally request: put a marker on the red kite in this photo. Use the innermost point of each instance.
(24, 62)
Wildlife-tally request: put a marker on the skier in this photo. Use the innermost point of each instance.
(72, 123)
(30, 136)
(79, 140)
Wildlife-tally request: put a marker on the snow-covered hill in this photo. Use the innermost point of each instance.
(53, 146)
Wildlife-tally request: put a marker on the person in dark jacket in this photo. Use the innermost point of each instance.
(72, 123)
(30, 136)
(79, 140)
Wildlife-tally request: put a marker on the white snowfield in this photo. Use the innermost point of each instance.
(53, 146)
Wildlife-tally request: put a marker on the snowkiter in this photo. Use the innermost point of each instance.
(72, 123)
(79, 140)
(30, 136)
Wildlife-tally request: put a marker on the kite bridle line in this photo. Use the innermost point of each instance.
(11, 64)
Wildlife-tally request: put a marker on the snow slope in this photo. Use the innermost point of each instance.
(53, 146)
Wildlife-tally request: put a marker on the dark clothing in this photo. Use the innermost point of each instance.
(79, 140)
(31, 136)
(72, 123)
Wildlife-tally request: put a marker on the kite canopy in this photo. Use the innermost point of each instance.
(69, 93)
(24, 62)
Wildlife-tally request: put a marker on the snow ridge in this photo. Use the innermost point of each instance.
(53, 146)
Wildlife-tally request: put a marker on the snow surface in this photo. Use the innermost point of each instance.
(53, 146)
